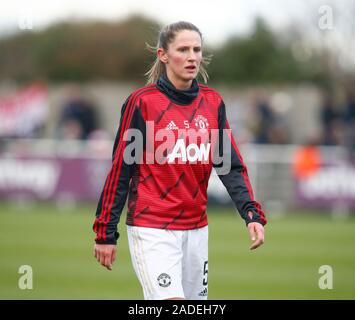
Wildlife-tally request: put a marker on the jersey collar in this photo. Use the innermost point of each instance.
(183, 97)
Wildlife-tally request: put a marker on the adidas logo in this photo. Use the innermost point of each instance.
(203, 293)
(172, 126)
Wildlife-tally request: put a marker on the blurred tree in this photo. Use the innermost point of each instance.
(89, 50)
(260, 58)
(80, 51)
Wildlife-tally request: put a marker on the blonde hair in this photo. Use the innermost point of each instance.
(166, 36)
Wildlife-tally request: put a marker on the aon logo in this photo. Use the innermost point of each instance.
(192, 152)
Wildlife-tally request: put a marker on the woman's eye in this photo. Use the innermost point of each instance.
(186, 49)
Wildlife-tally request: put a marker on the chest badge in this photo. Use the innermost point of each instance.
(201, 122)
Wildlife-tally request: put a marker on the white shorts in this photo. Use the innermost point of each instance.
(170, 263)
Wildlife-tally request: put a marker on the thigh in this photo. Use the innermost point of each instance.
(195, 264)
(157, 260)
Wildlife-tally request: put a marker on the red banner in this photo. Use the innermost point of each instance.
(24, 112)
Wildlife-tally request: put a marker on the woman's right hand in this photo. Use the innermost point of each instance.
(105, 254)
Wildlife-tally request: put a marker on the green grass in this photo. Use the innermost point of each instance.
(59, 244)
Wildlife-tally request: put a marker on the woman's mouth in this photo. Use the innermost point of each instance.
(190, 68)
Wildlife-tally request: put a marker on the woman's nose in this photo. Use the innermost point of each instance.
(192, 55)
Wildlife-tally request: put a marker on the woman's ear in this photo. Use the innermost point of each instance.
(162, 55)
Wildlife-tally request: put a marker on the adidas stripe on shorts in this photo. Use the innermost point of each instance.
(170, 263)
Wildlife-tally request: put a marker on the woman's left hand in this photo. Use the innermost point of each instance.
(256, 231)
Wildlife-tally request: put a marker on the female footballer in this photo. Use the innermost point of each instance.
(172, 122)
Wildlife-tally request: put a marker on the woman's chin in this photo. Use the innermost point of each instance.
(188, 77)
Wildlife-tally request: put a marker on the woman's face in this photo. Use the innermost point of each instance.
(183, 58)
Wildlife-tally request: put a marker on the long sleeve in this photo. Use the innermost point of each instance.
(114, 194)
(237, 180)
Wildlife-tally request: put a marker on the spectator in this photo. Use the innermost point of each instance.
(271, 127)
(79, 117)
(307, 160)
(349, 121)
(331, 121)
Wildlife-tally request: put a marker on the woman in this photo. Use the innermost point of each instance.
(167, 182)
